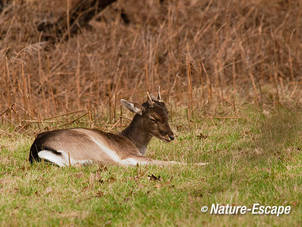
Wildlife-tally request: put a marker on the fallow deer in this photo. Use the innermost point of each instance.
(77, 146)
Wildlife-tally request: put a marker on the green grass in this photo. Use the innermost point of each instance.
(253, 159)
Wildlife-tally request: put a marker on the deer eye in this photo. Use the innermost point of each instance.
(152, 119)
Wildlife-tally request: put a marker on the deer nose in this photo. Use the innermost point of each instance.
(171, 137)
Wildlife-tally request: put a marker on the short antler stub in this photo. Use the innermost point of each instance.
(158, 95)
(150, 99)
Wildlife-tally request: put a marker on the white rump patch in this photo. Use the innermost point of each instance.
(61, 160)
(50, 156)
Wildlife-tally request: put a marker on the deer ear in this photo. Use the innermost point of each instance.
(133, 107)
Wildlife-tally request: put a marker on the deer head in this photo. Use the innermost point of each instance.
(153, 117)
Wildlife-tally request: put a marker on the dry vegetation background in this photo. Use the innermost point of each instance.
(203, 54)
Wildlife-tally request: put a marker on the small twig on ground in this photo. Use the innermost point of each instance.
(62, 115)
(71, 122)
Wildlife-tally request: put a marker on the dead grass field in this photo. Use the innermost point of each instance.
(202, 53)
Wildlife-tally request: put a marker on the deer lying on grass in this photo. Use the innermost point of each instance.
(77, 146)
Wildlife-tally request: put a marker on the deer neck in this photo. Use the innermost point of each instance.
(137, 133)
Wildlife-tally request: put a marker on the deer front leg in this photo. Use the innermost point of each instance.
(139, 160)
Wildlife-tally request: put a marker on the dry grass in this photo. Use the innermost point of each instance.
(202, 53)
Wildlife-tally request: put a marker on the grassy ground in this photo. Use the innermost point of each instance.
(253, 158)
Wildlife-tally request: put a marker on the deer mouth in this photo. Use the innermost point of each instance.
(167, 138)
